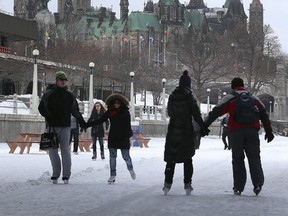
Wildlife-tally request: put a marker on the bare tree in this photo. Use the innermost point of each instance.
(256, 53)
(203, 54)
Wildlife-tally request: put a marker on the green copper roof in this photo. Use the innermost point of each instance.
(139, 21)
(194, 18)
(168, 2)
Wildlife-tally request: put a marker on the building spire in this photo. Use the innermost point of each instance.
(124, 9)
(196, 4)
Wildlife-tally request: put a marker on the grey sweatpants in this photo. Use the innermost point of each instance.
(64, 141)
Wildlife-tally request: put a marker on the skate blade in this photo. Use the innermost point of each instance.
(165, 190)
(188, 192)
(66, 181)
(55, 181)
(111, 182)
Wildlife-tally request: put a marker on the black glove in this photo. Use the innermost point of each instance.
(269, 136)
(204, 131)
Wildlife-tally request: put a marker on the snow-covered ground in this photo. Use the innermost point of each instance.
(26, 189)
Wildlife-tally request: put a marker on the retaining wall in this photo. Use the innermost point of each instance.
(11, 125)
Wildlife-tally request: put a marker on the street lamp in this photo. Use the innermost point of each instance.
(164, 101)
(91, 104)
(35, 83)
(270, 109)
(132, 107)
(208, 100)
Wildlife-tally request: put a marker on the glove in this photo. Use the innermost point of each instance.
(269, 136)
(204, 131)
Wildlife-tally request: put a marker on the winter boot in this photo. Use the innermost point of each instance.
(188, 188)
(94, 156)
(111, 180)
(133, 174)
(166, 188)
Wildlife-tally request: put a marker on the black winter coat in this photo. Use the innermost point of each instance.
(97, 130)
(120, 128)
(180, 146)
(57, 105)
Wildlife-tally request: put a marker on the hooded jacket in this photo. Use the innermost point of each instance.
(182, 106)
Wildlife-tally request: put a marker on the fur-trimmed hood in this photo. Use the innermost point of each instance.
(113, 97)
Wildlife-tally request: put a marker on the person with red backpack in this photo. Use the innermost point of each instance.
(245, 111)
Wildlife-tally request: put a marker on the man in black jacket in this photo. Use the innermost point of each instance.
(57, 104)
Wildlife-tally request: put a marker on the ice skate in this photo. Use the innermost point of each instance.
(111, 180)
(188, 188)
(94, 157)
(102, 156)
(65, 180)
(133, 174)
(54, 180)
(237, 192)
(257, 189)
(166, 188)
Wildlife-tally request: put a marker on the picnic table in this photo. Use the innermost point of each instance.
(24, 140)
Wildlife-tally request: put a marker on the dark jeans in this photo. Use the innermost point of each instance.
(94, 140)
(188, 172)
(75, 135)
(246, 141)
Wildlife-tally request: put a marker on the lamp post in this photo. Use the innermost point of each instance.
(35, 83)
(270, 109)
(164, 101)
(132, 108)
(208, 100)
(91, 104)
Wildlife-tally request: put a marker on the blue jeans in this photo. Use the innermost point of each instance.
(113, 156)
(94, 140)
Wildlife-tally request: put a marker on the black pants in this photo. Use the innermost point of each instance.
(188, 172)
(75, 135)
(225, 134)
(246, 141)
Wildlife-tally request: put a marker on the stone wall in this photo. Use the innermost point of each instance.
(11, 125)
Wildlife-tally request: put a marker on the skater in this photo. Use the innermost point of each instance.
(180, 146)
(56, 105)
(244, 125)
(97, 131)
(225, 132)
(119, 134)
(74, 134)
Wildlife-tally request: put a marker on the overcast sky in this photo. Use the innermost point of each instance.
(274, 11)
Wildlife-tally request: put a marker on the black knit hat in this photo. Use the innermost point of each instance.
(237, 82)
(185, 80)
